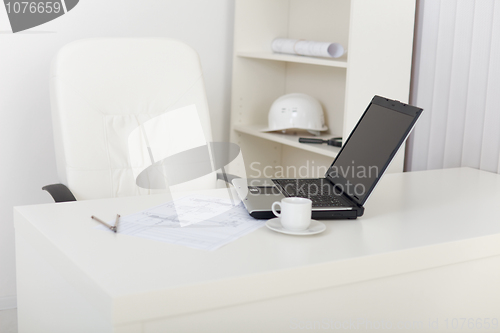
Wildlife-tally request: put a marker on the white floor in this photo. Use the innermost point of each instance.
(8, 321)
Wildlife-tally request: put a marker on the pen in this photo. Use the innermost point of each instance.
(104, 223)
(116, 222)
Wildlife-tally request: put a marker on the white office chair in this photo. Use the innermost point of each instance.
(106, 97)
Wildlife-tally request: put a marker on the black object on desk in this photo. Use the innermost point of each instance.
(336, 142)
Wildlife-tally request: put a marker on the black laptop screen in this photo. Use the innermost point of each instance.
(369, 149)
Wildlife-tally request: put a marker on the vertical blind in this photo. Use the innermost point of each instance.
(456, 80)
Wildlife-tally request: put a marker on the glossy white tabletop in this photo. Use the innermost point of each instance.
(412, 221)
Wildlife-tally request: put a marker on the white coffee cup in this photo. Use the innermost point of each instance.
(295, 213)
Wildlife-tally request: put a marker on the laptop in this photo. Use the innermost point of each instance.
(353, 175)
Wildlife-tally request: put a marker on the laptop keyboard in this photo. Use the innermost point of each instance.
(320, 191)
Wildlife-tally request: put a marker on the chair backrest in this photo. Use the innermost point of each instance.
(106, 91)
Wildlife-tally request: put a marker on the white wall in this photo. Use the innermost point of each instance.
(26, 146)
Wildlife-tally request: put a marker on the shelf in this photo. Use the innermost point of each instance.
(289, 140)
(340, 62)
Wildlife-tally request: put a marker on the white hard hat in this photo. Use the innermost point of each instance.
(296, 111)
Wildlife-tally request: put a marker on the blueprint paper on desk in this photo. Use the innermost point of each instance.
(215, 222)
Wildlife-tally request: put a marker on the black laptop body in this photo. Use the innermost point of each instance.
(353, 175)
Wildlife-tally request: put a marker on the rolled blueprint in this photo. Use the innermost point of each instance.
(307, 48)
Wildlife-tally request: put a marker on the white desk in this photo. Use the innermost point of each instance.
(425, 254)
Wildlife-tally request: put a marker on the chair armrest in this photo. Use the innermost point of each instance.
(227, 177)
(59, 192)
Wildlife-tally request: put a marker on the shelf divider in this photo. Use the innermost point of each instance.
(340, 62)
(289, 140)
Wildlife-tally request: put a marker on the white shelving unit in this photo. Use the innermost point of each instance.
(378, 37)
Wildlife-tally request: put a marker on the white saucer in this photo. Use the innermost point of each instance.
(315, 228)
